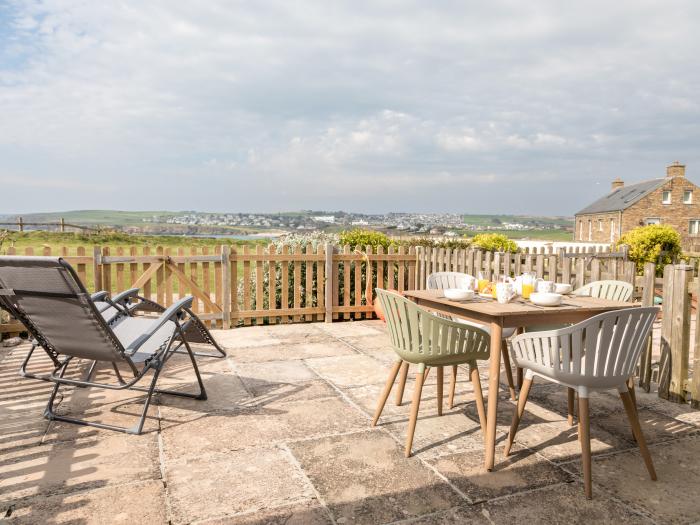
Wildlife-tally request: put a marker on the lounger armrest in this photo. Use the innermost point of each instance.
(99, 296)
(169, 315)
(124, 297)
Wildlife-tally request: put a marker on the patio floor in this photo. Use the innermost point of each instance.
(285, 438)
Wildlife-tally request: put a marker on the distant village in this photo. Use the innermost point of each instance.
(448, 224)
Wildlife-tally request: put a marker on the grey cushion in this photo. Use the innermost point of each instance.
(130, 333)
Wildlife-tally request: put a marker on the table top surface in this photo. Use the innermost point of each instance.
(518, 306)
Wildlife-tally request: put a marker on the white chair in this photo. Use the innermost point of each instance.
(612, 290)
(597, 354)
(441, 281)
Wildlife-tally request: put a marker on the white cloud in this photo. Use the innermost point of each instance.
(363, 105)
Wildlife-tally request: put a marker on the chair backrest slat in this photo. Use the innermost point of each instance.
(445, 280)
(600, 350)
(420, 336)
(612, 290)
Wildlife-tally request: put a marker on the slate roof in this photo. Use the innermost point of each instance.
(622, 198)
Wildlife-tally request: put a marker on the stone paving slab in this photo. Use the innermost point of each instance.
(219, 485)
(352, 329)
(558, 505)
(438, 435)
(349, 371)
(78, 465)
(672, 498)
(310, 513)
(142, 502)
(521, 471)
(364, 478)
(257, 375)
(291, 352)
(259, 426)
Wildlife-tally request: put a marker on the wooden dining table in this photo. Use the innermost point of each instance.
(518, 313)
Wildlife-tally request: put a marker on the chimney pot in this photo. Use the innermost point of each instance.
(617, 183)
(675, 170)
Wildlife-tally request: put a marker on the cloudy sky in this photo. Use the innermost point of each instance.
(480, 107)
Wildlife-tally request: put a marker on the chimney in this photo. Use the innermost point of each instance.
(617, 183)
(675, 170)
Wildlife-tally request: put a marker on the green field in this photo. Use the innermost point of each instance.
(495, 220)
(535, 235)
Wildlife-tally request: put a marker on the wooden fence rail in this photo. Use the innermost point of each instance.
(268, 285)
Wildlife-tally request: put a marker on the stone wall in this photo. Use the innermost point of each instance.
(676, 214)
(599, 227)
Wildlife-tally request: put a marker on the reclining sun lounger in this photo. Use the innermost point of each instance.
(46, 295)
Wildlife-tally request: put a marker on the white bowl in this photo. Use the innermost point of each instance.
(563, 288)
(546, 298)
(459, 294)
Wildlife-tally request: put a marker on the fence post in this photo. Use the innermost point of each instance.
(20, 224)
(580, 266)
(695, 386)
(226, 286)
(97, 267)
(63, 225)
(675, 335)
(648, 286)
(328, 292)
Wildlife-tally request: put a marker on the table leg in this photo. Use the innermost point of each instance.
(494, 374)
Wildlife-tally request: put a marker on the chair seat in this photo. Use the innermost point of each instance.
(131, 333)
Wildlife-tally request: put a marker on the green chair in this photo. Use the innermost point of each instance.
(427, 340)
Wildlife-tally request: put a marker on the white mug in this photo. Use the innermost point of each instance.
(505, 291)
(543, 286)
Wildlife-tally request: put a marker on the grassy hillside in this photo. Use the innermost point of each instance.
(38, 239)
(98, 217)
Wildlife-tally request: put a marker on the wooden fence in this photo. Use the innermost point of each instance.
(268, 285)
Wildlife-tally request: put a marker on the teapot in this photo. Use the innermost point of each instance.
(543, 286)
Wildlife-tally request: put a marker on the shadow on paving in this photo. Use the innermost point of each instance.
(63, 473)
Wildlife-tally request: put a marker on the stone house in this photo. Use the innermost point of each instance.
(672, 200)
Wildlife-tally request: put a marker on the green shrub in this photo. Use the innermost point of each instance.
(362, 238)
(494, 242)
(656, 243)
(428, 242)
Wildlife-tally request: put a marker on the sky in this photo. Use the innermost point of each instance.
(378, 106)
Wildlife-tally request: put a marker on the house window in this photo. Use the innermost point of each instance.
(590, 230)
(694, 227)
(600, 225)
(666, 197)
(652, 220)
(612, 230)
(687, 197)
(580, 230)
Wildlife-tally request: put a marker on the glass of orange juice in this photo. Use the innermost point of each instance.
(481, 283)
